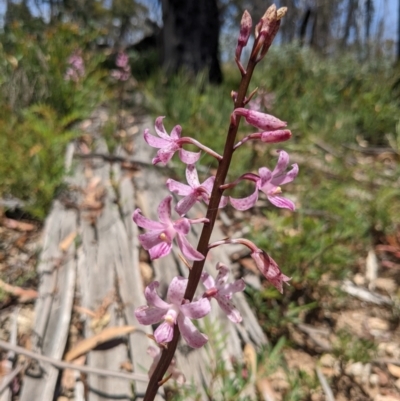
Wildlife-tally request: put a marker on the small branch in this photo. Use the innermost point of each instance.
(325, 386)
(364, 294)
(65, 365)
(7, 379)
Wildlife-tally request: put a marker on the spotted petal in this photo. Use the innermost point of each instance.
(153, 299)
(192, 336)
(144, 222)
(176, 290)
(245, 203)
(164, 332)
(149, 314)
(196, 309)
(188, 251)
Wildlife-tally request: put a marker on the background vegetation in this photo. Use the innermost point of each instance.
(341, 108)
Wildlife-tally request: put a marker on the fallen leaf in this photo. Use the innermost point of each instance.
(24, 295)
(394, 370)
(127, 366)
(250, 358)
(17, 225)
(265, 389)
(67, 241)
(88, 344)
(99, 323)
(68, 378)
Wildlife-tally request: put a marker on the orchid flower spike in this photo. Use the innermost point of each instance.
(169, 144)
(194, 191)
(175, 311)
(158, 241)
(269, 182)
(222, 291)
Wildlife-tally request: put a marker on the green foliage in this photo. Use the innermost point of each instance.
(335, 99)
(39, 107)
(352, 348)
(33, 165)
(34, 67)
(224, 383)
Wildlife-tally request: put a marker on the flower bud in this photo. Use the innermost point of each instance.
(244, 34)
(280, 135)
(262, 121)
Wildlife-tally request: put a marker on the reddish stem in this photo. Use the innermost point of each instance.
(212, 211)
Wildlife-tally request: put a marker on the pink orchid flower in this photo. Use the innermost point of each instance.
(270, 269)
(269, 182)
(194, 191)
(172, 370)
(158, 241)
(169, 144)
(175, 311)
(267, 266)
(222, 292)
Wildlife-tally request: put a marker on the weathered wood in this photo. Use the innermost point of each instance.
(104, 265)
(53, 308)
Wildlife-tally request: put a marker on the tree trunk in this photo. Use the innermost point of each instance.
(190, 37)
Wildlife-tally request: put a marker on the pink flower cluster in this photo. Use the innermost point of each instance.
(179, 309)
(76, 67)
(160, 234)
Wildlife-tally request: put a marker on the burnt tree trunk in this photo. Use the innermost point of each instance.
(190, 37)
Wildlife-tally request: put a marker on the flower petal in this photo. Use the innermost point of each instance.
(223, 202)
(196, 309)
(227, 306)
(152, 298)
(150, 239)
(160, 130)
(265, 177)
(153, 141)
(192, 336)
(160, 250)
(189, 157)
(285, 178)
(178, 187)
(207, 280)
(182, 226)
(164, 332)
(245, 203)
(281, 202)
(164, 155)
(223, 275)
(188, 251)
(164, 210)
(237, 286)
(192, 176)
(144, 222)
(208, 184)
(281, 165)
(176, 290)
(176, 132)
(185, 204)
(149, 315)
